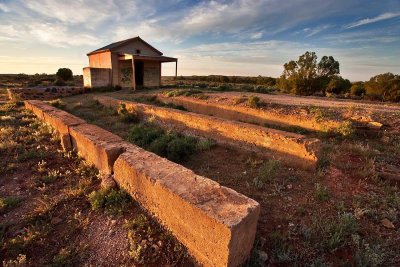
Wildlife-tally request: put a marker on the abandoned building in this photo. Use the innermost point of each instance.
(131, 63)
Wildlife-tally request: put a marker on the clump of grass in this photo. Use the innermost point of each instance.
(366, 254)
(281, 252)
(346, 129)
(58, 103)
(267, 173)
(253, 101)
(189, 92)
(329, 234)
(19, 261)
(65, 257)
(147, 242)
(205, 144)
(9, 202)
(125, 115)
(321, 192)
(113, 201)
(239, 100)
(51, 177)
(175, 147)
(319, 114)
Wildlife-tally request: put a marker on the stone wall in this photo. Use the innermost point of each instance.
(44, 93)
(215, 223)
(96, 77)
(251, 115)
(293, 149)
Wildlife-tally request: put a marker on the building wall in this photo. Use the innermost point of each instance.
(100, 60)
(152, 74)
(125, 73)
(131, 48)
(96, 77)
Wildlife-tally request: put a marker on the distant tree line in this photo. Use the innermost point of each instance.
(259, 80)
(306, 76)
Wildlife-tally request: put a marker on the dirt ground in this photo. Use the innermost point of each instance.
(346, 213)
(53, 212)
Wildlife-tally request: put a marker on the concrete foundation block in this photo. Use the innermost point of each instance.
(215, 223)
(98, 146)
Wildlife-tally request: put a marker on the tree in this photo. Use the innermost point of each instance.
(305, 76)
(357, 89)
(338, 85)
(65, 74)
(386, 85)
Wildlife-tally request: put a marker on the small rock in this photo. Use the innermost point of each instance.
(55, 220)
(388, 224)
(262, 256)
(160, 243)
(107, 182)
(289, 186)
(291, 224)
(113, 222)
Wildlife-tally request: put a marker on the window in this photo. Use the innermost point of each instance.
(137, 51)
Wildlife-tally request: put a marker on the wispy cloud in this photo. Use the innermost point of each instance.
(313, 31)
(366, 21)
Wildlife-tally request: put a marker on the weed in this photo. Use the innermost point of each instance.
(368, 255)
(205, 144)
(253, 101)
(112, 201)
(267, 173)
(239, 100)
(127, 116)
(143, 135)
(346, 129)
(281, 252)
(58, 103)
(321, 192)
(19, 261)
(330, 233)
(51, 177)
(65, 257)
(319, 114)
(9, 203)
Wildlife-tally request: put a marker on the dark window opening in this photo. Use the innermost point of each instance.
(137, 51)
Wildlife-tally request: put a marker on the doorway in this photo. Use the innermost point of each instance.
(139, 71)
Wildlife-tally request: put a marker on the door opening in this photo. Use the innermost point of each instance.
(139, 73)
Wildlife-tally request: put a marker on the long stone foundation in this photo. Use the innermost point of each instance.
(250, 115)
(43, 93)
(294, 149)
(215, 223)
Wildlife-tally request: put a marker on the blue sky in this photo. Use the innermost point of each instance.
(242, 37)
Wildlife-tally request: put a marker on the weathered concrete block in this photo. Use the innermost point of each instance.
(215, 223)
(293, 149)
(58, 119)
(98, 146)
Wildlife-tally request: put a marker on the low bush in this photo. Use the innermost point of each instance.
(267, 173)
(253, 101)
(127, 116)
(175, 147)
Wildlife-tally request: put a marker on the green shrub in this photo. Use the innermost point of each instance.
(357, 89)
(175, 147)
(253, 102)
(143, 135)
(112, 201)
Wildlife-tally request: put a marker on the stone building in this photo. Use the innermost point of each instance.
(131, 63)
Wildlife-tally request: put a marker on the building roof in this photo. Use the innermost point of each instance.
(113, 46)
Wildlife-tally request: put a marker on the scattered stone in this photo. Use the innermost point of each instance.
(262, 256)
(56, 220)
(291, 224)
(387, 224)
(289, 186)
(107, 182)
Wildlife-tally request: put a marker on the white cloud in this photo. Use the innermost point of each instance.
(4, 8)
(313, 31)
(381, 17)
